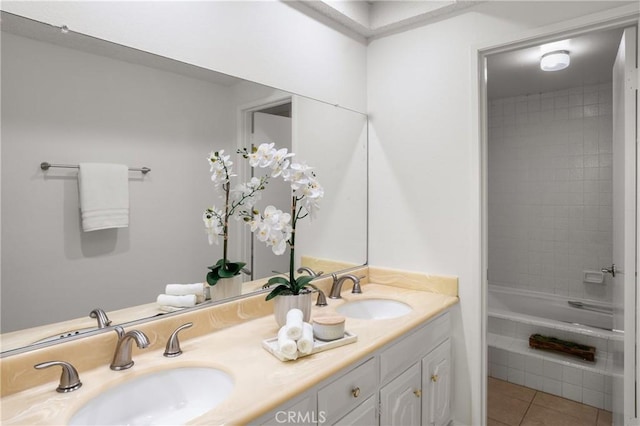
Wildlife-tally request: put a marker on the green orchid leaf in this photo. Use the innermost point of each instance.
(279, 280)
(212, 278)
(225, 273)
(234, 267)
(302, 282)
(277, 291)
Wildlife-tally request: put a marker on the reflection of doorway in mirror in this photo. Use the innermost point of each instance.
(271, 124)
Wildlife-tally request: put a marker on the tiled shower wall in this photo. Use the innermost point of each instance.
(550, 190)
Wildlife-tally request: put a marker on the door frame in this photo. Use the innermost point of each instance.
(615, 18)
(244, 131)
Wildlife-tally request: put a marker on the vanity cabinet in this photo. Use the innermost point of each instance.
(407, 382)
(400, 399)
(436, 386)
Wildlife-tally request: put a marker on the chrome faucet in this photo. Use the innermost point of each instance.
(122, 356)
(69, 380)
(309, 271)
(101, 316)
(336, 287)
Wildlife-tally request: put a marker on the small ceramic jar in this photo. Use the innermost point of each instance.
(328, 328)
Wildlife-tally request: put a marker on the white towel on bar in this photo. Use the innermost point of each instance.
(104, 196)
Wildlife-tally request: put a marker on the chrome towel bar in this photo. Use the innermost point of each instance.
(45, 166)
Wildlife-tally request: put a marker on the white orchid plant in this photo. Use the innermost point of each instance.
(271, 226)
(277, 228)
(216, 220)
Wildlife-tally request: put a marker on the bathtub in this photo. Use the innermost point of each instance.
(514, 314)
(551, 310)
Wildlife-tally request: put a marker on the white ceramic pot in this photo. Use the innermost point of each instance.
(226, 288)
(283, 303)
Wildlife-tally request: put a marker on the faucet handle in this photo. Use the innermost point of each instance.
(322, 299)
(69, 380)
(173, 344)
(356, 285)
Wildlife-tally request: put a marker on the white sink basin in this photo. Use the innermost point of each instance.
(374, 309)
(167, 397)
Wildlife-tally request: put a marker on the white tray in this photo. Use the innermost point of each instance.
(271, 345)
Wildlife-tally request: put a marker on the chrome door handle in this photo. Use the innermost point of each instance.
(611, 270)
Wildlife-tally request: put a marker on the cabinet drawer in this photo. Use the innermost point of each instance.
(410, 349)
(364, 415)
(345, 393)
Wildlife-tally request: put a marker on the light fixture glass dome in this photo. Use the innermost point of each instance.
(555, 61)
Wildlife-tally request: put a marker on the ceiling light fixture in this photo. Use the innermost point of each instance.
(555, 61)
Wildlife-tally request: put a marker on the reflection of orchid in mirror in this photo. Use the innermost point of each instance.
(276, 228)
(236, 201)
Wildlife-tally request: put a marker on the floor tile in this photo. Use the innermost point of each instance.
(512, 390)
(541, 416)
(604, 418)
(491, 422)
(506, 409)
(584, 413)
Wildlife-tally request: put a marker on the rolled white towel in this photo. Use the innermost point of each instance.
(305, 343)
(286, 346)
(289, 357)
(184, 301)
(184, 289)
(294, 324)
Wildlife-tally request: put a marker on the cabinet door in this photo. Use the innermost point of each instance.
(363, 415)
(436, 384)
(400, 399)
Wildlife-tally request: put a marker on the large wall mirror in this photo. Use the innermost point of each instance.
(68, 98)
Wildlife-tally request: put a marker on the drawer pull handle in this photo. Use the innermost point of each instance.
(434, 378)
(355, 392)
(417, 393)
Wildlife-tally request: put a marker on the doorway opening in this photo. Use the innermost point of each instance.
(267, 121)
(550, 222)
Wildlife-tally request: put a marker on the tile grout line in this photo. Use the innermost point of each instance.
(528, 408)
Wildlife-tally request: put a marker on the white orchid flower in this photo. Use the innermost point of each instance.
(263, 156)
(213, 223)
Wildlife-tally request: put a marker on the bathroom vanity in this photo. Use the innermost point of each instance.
(398, 371)
(406, 382)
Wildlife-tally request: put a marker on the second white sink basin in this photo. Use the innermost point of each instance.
(374, 309)
(167, 397)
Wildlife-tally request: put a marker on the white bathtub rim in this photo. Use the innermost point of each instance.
(557, 325)
(543, 295)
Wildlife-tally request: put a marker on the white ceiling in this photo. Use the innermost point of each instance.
(518, 72)
(378, 17)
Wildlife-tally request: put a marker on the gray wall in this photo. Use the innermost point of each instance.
(64, 106)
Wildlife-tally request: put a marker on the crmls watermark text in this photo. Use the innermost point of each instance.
(297, 417)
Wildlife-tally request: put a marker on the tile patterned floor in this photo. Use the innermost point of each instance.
(513, 405)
